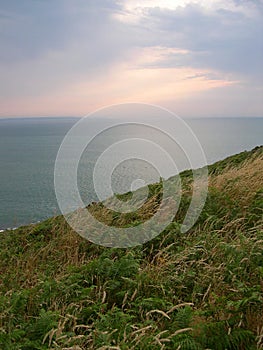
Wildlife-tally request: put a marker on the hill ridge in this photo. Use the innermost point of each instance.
(197, 290)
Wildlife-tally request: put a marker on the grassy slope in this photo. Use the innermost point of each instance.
(200, 290)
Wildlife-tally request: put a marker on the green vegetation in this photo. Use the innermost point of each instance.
(200, 290)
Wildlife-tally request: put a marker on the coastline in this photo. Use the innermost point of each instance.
(211, 168)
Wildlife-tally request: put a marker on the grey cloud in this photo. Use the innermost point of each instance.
(31, 28)
(257, 3)
(223, 39)
(48, 45)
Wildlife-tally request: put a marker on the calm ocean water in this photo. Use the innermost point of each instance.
(28, 148)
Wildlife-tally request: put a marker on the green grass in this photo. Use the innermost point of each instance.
(200, 290)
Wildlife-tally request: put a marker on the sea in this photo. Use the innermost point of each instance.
(29, 147)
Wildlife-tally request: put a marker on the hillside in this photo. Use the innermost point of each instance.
(199, 290)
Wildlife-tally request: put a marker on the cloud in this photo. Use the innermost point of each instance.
(219, 39)
(135, 80)
(47, 45)
(80, 53)
(30, 28)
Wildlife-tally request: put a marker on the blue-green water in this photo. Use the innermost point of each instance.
(28, 148)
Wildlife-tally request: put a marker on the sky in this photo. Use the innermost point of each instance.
(68, 58)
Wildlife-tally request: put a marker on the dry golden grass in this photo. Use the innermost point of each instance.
(177, 288)
(240, 183)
